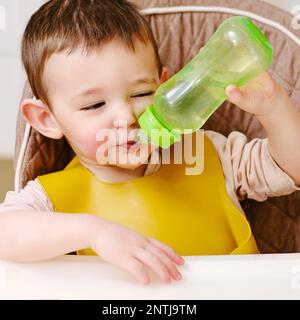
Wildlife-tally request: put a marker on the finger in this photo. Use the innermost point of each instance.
(154, 263)
(169, 251)
(247, 97)
(233, 93)
(166, 260)
(137, 269)
(254, 89)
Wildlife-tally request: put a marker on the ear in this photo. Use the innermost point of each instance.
(164, 75)
(39, 116)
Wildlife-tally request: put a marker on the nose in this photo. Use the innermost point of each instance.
(124, 117)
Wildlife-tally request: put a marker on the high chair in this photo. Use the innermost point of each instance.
(181, 28)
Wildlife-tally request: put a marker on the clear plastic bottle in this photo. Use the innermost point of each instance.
(237, 52)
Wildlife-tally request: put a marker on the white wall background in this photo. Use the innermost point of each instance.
(14, 15)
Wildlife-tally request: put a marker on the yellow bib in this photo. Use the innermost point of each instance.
(191, 213)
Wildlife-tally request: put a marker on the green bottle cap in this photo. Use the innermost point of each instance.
(156, 132)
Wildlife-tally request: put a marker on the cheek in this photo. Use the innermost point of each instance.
(81, 131)
(86, 141)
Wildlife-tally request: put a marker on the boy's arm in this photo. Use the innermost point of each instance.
(249, 169)
(283, 129)
(30, 231)
(35, 236)
(279, 116)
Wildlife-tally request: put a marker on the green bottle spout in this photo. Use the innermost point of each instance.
(154, 131)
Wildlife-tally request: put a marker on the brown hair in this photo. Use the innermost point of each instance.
(61, 25)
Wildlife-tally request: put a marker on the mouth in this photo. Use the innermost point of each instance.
(129, 145)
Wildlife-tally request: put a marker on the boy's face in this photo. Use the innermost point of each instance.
(108, 88)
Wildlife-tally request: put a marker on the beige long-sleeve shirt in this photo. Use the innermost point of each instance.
(248, 167)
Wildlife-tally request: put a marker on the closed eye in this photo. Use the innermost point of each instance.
(94, 106)
(150, 93)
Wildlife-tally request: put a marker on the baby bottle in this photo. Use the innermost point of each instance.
(237, 52)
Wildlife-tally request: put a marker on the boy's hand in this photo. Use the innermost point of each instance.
(259, 96)
(278, 115)
(127, 249)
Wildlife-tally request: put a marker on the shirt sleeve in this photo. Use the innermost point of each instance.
(249, 168)
(31, 197)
